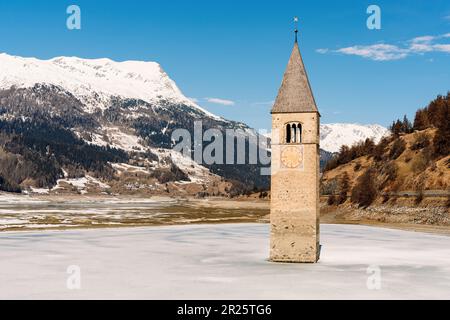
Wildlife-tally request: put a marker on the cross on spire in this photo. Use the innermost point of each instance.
(296, 28)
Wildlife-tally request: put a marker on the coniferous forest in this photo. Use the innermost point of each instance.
(38, 149)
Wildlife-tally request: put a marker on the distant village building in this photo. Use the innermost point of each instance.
(294, 208)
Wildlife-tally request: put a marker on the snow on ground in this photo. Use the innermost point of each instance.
(131, 142)
(122, 140)
(39, 190)
(195, 171)
(81, 183)
(221, 262)
(117, 139)
(121, 167)
(98, 140)
(14, 198)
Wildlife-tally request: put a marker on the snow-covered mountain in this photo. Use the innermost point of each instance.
(95, 81)
(98, 116)
(335, 135)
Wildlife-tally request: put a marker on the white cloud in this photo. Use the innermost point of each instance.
(377, 52)
(427, 44)
(421, 44)
(322, 51)
(421, 47)
(388, 52)
(442, 47)
(264, 103)
(423, 39)
(221, 101)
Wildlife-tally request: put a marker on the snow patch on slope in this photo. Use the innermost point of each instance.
(114, 137)
(196, 172)
(131, 142)
(81, 183)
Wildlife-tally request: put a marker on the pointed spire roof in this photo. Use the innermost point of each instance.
(295, 94)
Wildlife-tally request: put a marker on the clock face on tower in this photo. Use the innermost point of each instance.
(292, 156)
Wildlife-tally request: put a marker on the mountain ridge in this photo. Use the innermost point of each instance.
(95, 81)
(335, 135)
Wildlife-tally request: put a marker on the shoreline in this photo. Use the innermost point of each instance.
(428, 229)
(174, 210)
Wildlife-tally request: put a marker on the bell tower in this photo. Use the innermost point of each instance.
(294, 207)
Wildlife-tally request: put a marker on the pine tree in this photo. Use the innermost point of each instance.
(421, 120)
(406, 125)
(441, 141)
(344, 188)
(364, 192)
(397, 127)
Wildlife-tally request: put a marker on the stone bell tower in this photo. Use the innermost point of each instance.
(294, 207)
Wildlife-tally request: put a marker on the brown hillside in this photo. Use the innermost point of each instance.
(412, 170)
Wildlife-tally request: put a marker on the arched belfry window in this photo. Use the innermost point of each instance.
(298, 138)
(293, 132)
(288, 133)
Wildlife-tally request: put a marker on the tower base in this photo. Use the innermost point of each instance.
(307, 257)
(294, 243)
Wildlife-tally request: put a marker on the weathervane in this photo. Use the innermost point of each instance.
(296, 28)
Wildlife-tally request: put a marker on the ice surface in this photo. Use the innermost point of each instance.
(220, 262)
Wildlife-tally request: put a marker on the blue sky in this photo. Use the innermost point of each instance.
(235, 52)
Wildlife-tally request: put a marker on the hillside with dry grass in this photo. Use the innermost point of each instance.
(405, 165)
(410, 168)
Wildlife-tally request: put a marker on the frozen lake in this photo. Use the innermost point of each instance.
(221, 261)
